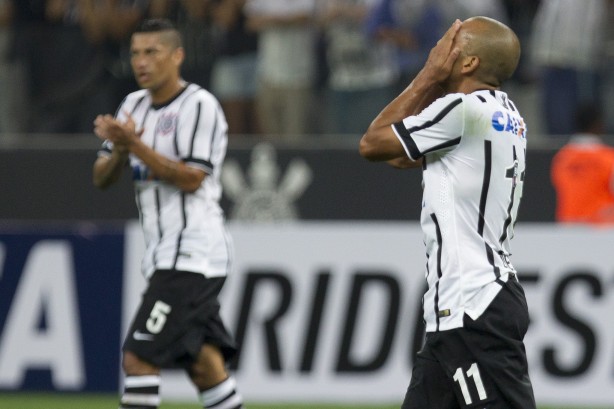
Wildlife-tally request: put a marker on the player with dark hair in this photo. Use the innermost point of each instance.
(469, 139)
(174, 136)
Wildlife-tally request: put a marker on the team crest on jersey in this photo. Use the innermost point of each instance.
(264, 197)
(166, 124)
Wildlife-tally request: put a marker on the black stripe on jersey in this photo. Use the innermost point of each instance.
(405, 133)
(406, 136)
(481, 98)
(137, 105)
(184, 223)
(512, 106)
(208, 166)
(159, 223)
(175, 142)
(444, 145)
(522, 176)
(491, 260)
(510, 174)
(144, 118)
(121, 104)
(493, 93)
(504, 101)
(213, 133)
(138, 102)
(485, 184)
(195, 130)
(139, 206)
(439, 272)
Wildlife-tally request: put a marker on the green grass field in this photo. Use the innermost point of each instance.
(62, 401)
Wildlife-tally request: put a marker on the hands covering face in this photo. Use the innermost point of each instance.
(441, 59)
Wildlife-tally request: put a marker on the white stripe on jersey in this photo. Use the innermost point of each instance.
(183, 231)
(474, 149)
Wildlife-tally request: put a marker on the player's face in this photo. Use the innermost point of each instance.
(154, 62)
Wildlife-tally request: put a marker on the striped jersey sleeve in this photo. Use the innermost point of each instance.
(437, 127)
(200, 125)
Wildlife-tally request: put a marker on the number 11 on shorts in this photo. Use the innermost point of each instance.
(473, 373)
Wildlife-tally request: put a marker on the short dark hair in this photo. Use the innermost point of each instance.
(155, 24)
(161, 25)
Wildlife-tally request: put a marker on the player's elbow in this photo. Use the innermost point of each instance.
(192, 182)
(372, 147)
(189, 187)
(99, 183)
(367, 148)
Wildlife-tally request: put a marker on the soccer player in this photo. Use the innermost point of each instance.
(173, 135)
(469, 139)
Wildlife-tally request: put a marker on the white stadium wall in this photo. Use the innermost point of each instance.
(329, 312)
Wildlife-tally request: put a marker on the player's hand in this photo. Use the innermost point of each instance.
(438, 66)
(121, 134)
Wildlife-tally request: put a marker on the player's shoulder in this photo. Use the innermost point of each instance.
(135, 96)
(443, 105)
(452, 98)
(194, 93)
(130, 102)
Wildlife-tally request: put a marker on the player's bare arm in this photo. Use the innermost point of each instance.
(108, 169)
(380, 143)
(125, 134)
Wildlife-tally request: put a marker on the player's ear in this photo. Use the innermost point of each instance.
(178, 55)
(469, 64)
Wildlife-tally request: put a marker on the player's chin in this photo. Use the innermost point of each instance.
(143, 83)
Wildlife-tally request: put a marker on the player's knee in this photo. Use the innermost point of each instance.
(133, 365)
(209, 369)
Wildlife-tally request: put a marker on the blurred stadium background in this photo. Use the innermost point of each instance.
(326, 288)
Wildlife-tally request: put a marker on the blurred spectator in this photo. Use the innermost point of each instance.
(583, 173)
(361, 74)
(12, 102)
(568, 47)
(233, 81)
(412, 26)
(61, 44)
(193, 20)
(520, 15)
(286, 64)
(123, 16)
(463, 9)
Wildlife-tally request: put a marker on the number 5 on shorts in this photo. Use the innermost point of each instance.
(474, 373)
(157, 317)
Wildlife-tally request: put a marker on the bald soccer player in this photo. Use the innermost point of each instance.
(469, 139)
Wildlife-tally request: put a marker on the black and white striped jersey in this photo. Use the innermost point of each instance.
(183, 231)
(473, 148)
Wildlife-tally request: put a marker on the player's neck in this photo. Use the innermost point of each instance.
(469, 85)
(166, 93)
